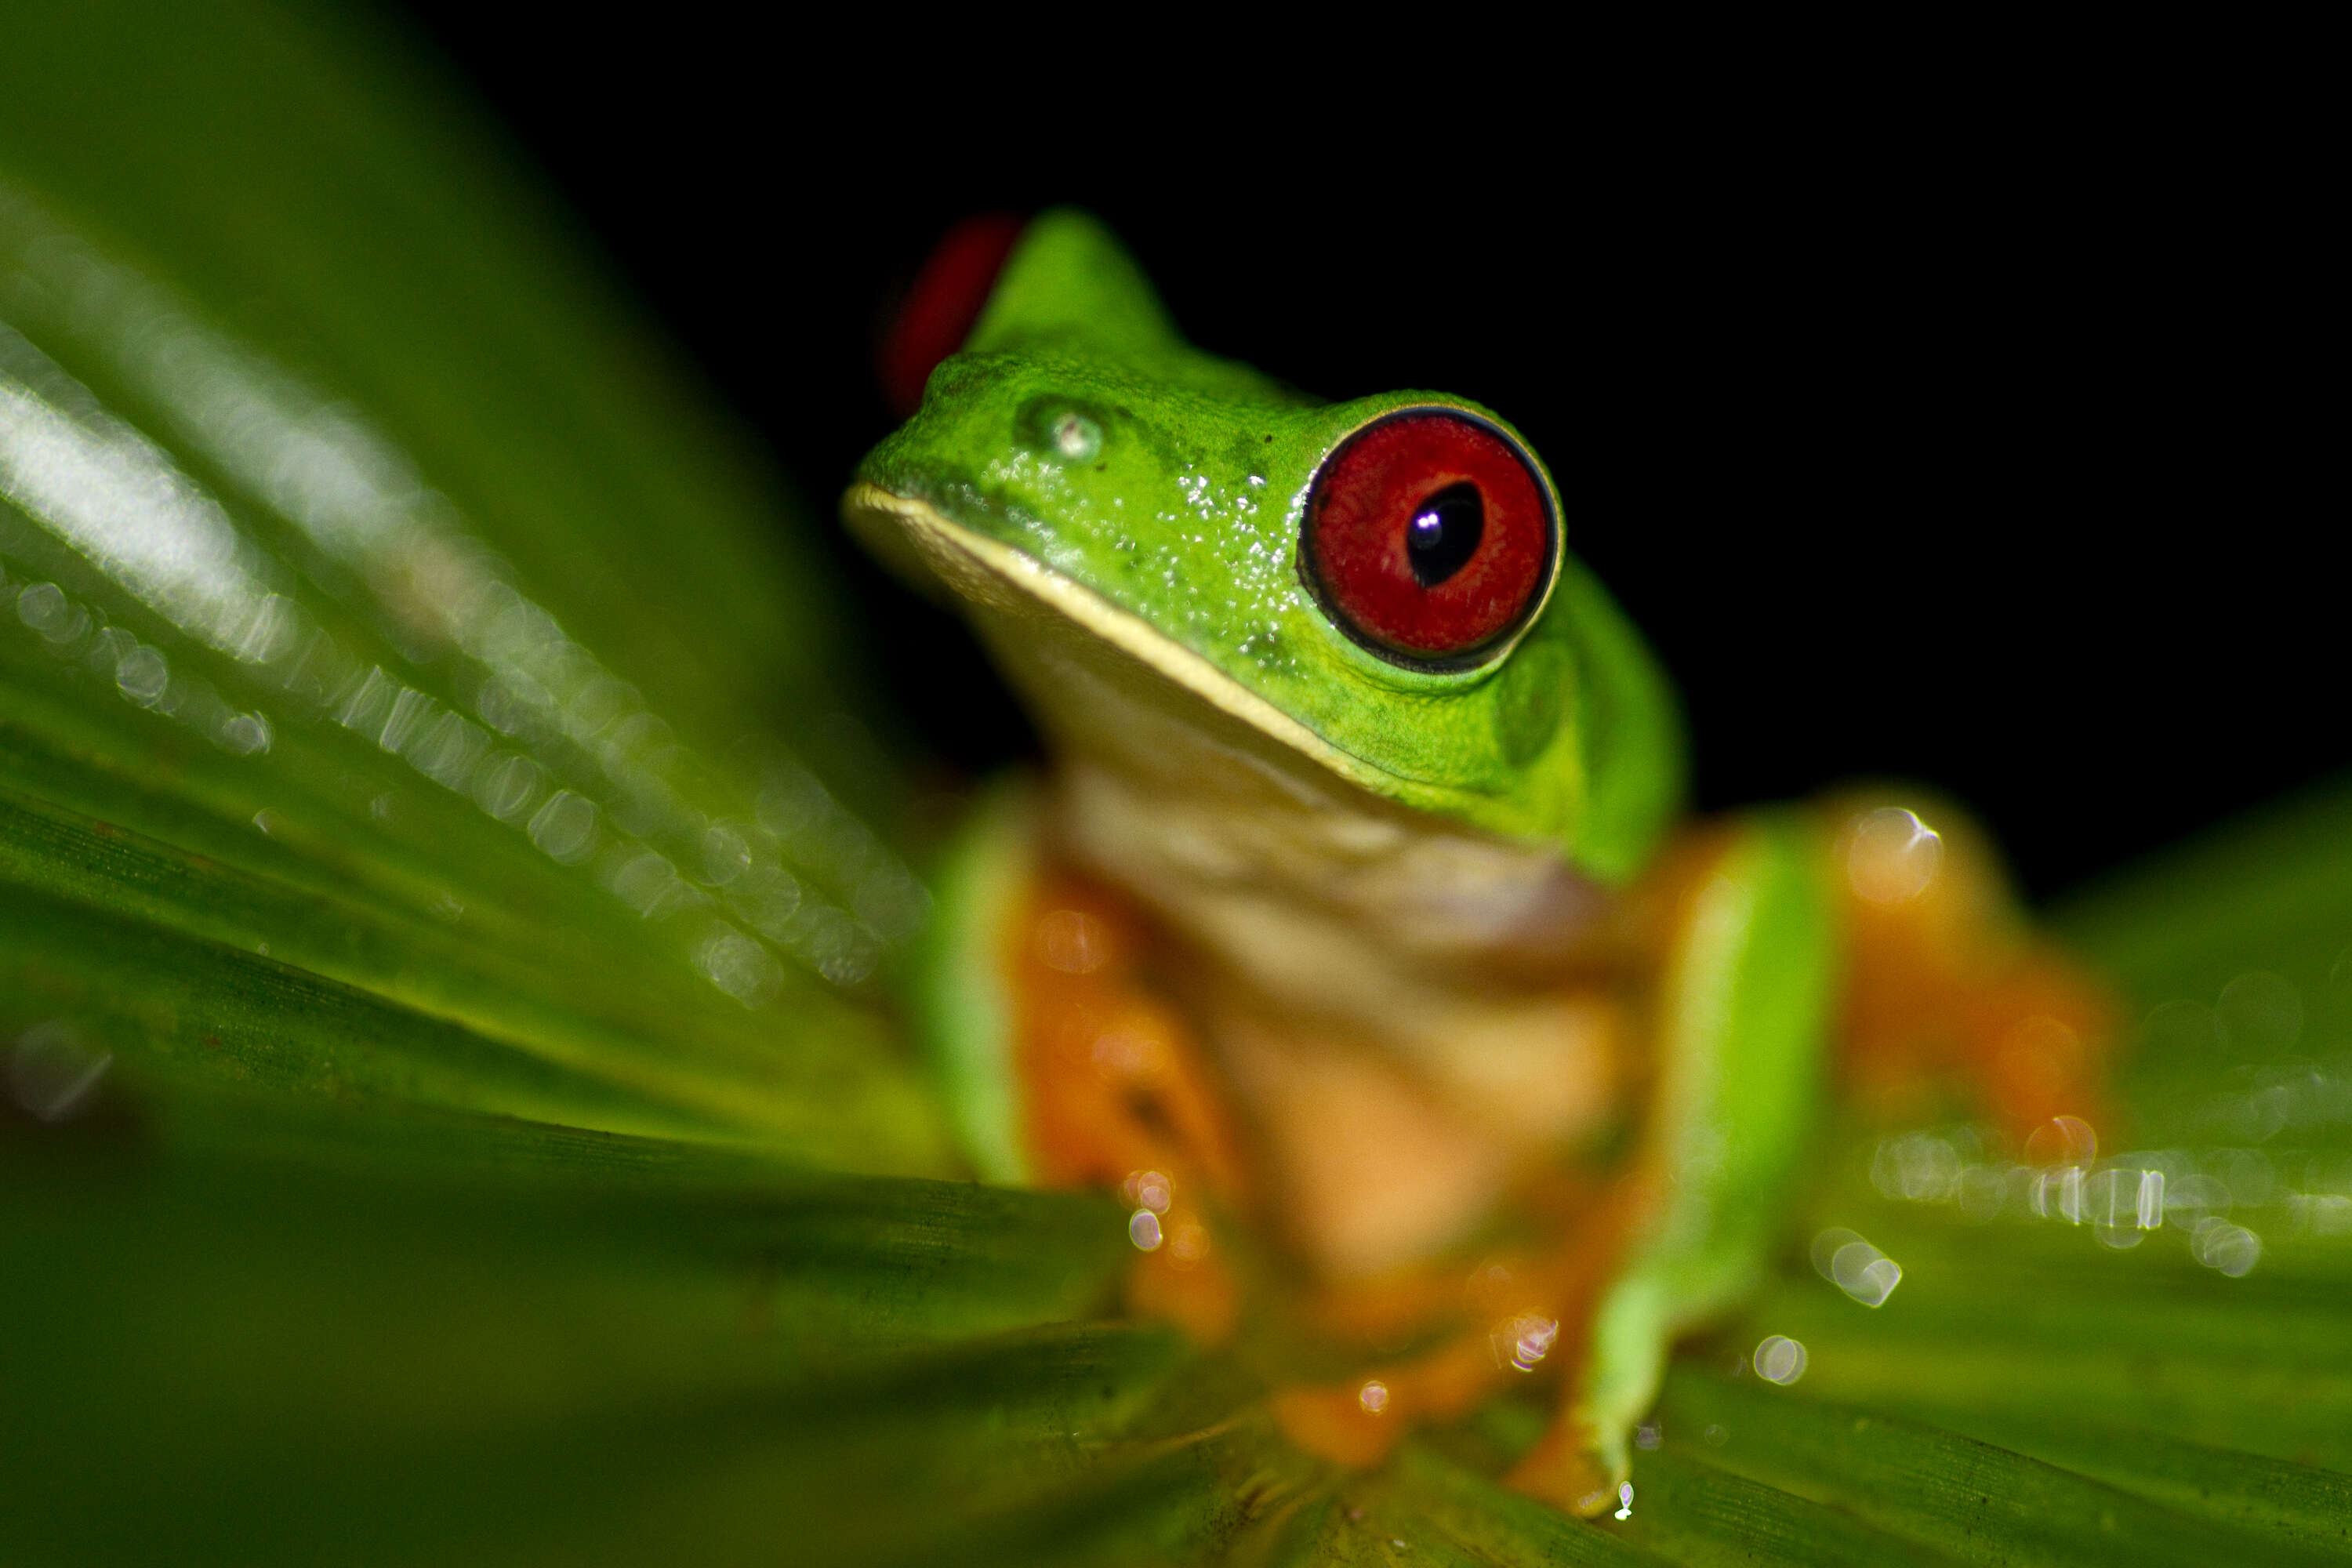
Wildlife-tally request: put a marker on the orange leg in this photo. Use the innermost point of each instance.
(1118, 1097)
(1945, 983)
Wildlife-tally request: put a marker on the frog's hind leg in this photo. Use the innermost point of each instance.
(1945, 983)
(1066, 1070)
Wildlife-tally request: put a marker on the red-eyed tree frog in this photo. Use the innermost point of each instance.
(1356, 936)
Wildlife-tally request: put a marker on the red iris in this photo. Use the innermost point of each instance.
(1429, 534)
(944, 305)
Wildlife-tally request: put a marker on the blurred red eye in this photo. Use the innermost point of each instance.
(1429, 535)
(943, 306)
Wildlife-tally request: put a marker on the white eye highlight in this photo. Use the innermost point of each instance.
(1856, 1267)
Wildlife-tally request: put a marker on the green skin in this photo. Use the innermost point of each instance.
(1078, 429)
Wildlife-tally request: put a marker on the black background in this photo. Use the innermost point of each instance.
(1981, 459)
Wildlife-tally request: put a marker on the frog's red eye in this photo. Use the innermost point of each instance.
(943, 305)
(1429, 536)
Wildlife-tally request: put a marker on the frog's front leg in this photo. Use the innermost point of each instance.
(1068, 1069)
(1862, 922)
(1742, 1015)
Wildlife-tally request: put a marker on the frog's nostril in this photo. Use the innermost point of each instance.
(943, 305)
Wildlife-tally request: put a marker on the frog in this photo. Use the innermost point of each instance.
(1357, 933)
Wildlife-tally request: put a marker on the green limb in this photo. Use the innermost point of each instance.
(963, 1006)
(1744, 1015)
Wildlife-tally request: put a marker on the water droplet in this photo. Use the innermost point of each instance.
(1892, 856)
(2226, 1249)
(2063, 1140)
(1150, 1190)
(52, 1074)
(648, 884)
(45, 608)
(1865, 1273)
(244, 734)
(565, 828)
(142, 675)
(1780, 1359)
(1530, 1339)
(2121, 1203)
(726, 854)
(739, 967)
(507, 786)
(2192, 1198)
(1918, 1167)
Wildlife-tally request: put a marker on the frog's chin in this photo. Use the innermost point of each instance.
(1058, 637)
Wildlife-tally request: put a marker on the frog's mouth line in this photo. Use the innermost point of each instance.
(977, 568)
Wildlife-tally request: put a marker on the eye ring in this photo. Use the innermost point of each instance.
(1431, 538)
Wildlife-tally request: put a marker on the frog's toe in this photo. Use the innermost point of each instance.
(1571, 1471)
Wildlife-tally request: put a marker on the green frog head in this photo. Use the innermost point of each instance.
(1375, 591)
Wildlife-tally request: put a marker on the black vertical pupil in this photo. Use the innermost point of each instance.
(1445, 533)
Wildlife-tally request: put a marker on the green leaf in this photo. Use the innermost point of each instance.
(381, 604)
(1968, 1499)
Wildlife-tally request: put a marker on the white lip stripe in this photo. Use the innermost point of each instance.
(933, 532)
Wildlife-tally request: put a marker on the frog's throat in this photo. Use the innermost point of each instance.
(995, 575)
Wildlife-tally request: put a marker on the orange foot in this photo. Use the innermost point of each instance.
(1523, 1317)
(1562, 1470)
